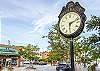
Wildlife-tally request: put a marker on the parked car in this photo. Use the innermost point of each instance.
(14, 63)
(42, 63)
(34, 62)
(26, 62)
(63, 67)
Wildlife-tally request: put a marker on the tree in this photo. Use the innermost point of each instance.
(54, 56)
(94, 24)
(28, 52)
(58, 43)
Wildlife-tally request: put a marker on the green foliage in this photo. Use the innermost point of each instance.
(94, 40)
(93, 23)
(88, 51)
(54, 57)
(28, 52)
(58, 44)
(92, 68)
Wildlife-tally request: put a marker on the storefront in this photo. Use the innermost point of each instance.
(9, 55)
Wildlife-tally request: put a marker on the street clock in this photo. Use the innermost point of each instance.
(71, 20)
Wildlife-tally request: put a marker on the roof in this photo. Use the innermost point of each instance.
(3, 45)
(7, 46)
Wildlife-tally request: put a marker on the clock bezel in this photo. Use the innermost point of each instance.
(73, 7)
(66, 20)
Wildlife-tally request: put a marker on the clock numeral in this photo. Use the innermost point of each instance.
(63, 21)
(77, 21)
(62, 25)
(66, 31)
(76, 26)
(77, 18)
(69, 15)
(74, 29)
(63, 28)
(66, 18)
(73, 16)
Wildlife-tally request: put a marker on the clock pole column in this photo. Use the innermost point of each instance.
(72, 54)
(76, 8)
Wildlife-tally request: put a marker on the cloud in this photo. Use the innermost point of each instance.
(41, 23)
(22, 9)
(48, 19)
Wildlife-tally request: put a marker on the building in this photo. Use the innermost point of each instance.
(44, 54)
(9, 53)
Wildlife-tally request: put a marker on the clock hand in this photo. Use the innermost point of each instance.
(70, 26)
(73, 21)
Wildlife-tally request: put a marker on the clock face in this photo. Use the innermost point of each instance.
(69, 23)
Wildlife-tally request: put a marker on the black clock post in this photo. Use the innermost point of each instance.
(73, 23)
(72, 54)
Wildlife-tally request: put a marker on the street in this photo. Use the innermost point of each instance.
(48, 67)
(45, 68)
(38, 68)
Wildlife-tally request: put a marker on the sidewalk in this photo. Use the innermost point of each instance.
(14, 69)
(26, 68)
(19, 68)
(80, 68)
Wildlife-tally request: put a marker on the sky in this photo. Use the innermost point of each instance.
(26, 21)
